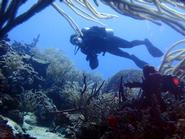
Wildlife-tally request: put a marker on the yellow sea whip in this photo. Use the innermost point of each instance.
(168, 67)
(75, 6)
(166, 11)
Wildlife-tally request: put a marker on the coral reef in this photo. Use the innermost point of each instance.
(28, 55)
(19, 74)
(60, 67)
(3, 82)
(38, 103)
(139, 118)
(66, 101)
(3, 47)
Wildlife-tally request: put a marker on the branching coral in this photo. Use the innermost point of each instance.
(86, 99)
(92, 103)
(167, 11)
(174, 61)
(9, 18)
(25, 48)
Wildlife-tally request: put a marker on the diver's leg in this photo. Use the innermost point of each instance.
(121, 53)
(154, 51)
(121, 43)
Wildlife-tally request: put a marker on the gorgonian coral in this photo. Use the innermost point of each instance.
(174, 61)
(166, 11)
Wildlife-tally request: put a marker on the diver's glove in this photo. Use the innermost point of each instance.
(103, 53)
(93, 61)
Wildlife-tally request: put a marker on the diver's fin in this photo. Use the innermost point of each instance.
(138, 62)
(154, 51)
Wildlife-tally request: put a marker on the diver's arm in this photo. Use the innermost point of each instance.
(87, 52)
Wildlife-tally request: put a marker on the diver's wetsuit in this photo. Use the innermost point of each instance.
(97, 40)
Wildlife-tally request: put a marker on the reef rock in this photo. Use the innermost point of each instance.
(130, 75)
(38, 103)
(31, 128)
(16, 129)
(15, 115)
(11, 130)
(7, 103)
(39, 65)
(3, 83)
(42, 133)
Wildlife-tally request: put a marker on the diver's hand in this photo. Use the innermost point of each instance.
(103, 53)
(93, 61)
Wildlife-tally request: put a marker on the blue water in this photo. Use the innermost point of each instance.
(55, 33)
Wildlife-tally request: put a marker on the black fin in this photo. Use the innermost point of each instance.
(154, 51)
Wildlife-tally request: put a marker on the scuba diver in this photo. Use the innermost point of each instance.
(96, 40)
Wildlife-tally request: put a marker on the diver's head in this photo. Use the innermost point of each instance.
(75, 39)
